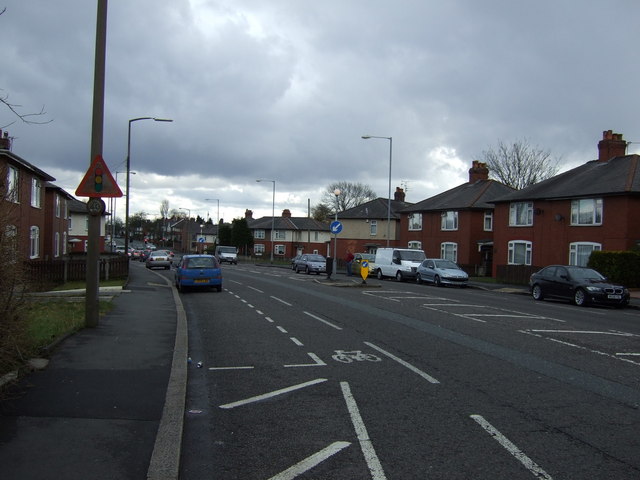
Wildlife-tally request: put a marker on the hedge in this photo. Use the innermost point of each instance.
(619, 267)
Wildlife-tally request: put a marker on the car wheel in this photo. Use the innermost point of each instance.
(399, 276)
(436, 281)
(379, 274)
(418, 279)
(307, 271)
(580, 298)
(536, 292)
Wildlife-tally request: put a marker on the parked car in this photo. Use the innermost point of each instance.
(158, 259)
(401, 263)
(311, 262)
(581, 285)
(294, 260)
(370, 259)
(198, 271)
(441, 272)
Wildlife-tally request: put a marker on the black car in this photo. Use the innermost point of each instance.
(581, 285)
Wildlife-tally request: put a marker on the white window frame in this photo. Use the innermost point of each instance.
(415, 222)
(64, 243)
(449, 251)
(58, 205)
(373, 228)
(517, 244)
(449, 220)
(258, 248)
(586, 211)
(13, 185)
(488, 221)
(56, 244)
(576, 257)
(260, 234)
(415, 244)
(34, 242)
(521, 214)
(280, 235)
(36, 192)
(279, 249)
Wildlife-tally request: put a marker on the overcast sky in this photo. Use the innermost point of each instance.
(284, 90)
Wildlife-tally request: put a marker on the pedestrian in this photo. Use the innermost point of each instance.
(348, 260)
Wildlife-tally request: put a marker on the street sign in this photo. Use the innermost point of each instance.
(201, 239)
(336, 227)
(98, 181)
(364, 270)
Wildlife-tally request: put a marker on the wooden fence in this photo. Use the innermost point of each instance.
(515, 274)
(45, 273)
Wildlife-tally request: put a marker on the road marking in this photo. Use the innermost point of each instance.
(311, 461)
(529, 464)
(281, 329)
(235, 281)
(281, 301)
(269, 319)
(595, 332)
(259, 312)
(323, 320)
(314, 357)
(230, 368)
(275, 393)
(363, 436)
(424, 375)
(296, 341)
(256, 289)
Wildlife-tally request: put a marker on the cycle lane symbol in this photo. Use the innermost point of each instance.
(345, 356)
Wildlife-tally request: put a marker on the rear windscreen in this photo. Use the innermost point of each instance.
(204, 262)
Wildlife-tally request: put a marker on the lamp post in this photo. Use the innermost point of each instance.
(336, 192)
(188, 224)
(216, 200)
(126, 213)
(202, 247)
(273, 212)
(115, 202)
(367, 137)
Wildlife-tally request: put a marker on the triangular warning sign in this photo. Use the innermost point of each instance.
(98, 181)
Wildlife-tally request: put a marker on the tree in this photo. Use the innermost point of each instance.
(224, 234)
(321, 212)
(164, 208)
(241, 235)
(351, 195)
(520, 164)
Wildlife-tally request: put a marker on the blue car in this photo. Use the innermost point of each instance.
(198, 271)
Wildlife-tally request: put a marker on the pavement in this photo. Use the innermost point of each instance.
(110, 402)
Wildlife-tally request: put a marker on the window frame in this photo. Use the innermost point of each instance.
(454, 251)
(258, 248)
(279, 249)
(34, 242)
(415, 222)
(36, 192)
(574, 255)
(488, 219)
(414, 244)
(515, 215)
(373, 228)
(446, 217)
(13, 184)
(259, 234)
(511, 252)
(596, 212)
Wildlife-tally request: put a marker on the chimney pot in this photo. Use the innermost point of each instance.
(612, 145)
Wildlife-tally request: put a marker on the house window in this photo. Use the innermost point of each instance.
(587, 211)
(258, 249)
(579, 252)
(279, 250)
(58, 206)
(56, 244)
(449, 251)
(13, 192)
(449, 220)
(258, 234)
(415, 244)
(34, 242)
(519, 252)
(488, 221)
(36, 193)
(64, 243)
(373, 228)
(521, 214)
(281, 235)
(316, 236)
(415, 221)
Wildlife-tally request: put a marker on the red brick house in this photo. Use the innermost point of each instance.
(456, 224)
(56, 238)
(563, 219)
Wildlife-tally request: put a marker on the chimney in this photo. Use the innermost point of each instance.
(286, 213)
(478, 171)
(611, 145)
(5, 141)
(399, 195)
(248, 214)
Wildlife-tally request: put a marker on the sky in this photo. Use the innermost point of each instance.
(284, 90)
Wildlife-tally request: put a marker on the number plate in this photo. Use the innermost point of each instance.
(201, 280)
(614, 297)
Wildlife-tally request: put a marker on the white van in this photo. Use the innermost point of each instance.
(227, 254)
(401, 263)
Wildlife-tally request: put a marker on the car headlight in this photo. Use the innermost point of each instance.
(594, 289)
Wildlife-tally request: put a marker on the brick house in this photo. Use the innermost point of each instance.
(563, 219)
(23, 195)
(364, 227)
(56, 221)
(456, 224)
(184, 235)
(288, 236)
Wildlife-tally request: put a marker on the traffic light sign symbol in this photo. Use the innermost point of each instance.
(97, 178)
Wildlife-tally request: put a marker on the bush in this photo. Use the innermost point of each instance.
(619, 267)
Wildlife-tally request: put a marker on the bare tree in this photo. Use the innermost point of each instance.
(164, 208)
(351, 195)
(520, 164)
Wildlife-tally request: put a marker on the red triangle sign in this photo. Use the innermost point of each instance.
(98, 181)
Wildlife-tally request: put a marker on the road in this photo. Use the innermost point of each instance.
(396, 380)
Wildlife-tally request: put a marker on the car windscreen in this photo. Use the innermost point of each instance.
(315, 258)
(446, 264)
(411, 255)
(585, 274)
(201, 262)
(227, 249)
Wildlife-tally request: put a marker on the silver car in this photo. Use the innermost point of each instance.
(441, 272)
(311, 262)
(158, 259)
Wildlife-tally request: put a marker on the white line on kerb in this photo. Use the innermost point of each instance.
(275, 393)
(281, 301)
(363, 436)
(323, 320)
(311, 461)
(529, 464)
(424, 375)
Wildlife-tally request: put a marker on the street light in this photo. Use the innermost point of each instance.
(202, 248)
(367, 137)
(336, 192)
(273, 212)
(216, 200)
(126, 214)
(188, 223)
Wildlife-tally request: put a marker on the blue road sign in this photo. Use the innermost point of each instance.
(336, 227)
(201, 240)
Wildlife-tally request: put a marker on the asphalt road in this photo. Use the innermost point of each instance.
(304, 380)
